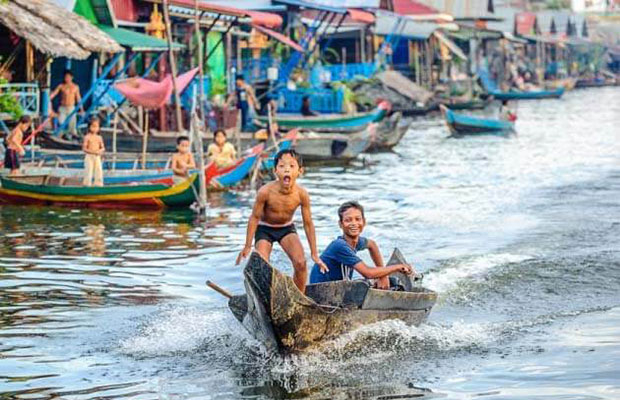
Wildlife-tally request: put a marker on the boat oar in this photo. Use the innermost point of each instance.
(220, 290)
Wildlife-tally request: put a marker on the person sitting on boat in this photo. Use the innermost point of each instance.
(341, 257)
(272, 218)
(505, 113)
(93, 148)
(305, 108)
(14, 148)
(183, 160)
(221, 151)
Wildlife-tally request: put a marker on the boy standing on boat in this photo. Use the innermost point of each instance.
(245, 100)
(183, 160)
(69, 97)
(341, 258)
(93, 148)
(14, 148)
(272, 218)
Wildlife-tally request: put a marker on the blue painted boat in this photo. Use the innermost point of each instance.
(491, 87)
(330, 121)
(460, 125)
(537, 94)
(234, 174)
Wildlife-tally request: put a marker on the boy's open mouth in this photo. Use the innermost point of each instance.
(286, 180)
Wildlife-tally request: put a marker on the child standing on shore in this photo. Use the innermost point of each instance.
(93, 148)
(14, 148)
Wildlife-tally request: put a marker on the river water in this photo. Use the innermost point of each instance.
(519, 236)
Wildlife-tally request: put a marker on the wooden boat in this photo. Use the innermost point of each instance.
(460, 125)
(234, 174)
(389, 133)
(531, 95)
(493, 90)
(475, 104)
(276, 313)
(329, 121)
(315, 146)
(49, 190)
(110, 177)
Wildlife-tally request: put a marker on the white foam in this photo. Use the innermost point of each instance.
(449, 277)
(180, 330)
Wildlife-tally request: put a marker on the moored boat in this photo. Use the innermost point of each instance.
(275, 312)
(315, 146)
(330, 121)
(389, 133)
(531, 95)
(50, 190)
(460, 125)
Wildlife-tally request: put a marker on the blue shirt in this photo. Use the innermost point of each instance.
(340, 258)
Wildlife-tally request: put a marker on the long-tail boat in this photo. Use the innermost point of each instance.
(389, 133)
(276, 313)
(460, 125)
(319, 147)
(330, 121)
(493, 89)
(49, 190)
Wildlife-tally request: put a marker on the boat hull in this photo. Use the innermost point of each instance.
(318, 147)
(389, 133)
(151, 196)
(462, 125)
(358, 121)
(533, 95)
(275, 312)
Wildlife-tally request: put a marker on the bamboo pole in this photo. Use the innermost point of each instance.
(196, 125)
(114, 129)
(173, 67)
(145, 139)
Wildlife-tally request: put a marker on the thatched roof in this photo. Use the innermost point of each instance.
(55, 31)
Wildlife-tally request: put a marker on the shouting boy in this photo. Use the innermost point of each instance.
(272, 218)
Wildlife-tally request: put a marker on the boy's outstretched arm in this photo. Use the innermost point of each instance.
(306, 214)
(257, 214)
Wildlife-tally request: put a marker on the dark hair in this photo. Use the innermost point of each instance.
(25, 119)
(240, 77)
(292, 153)
(68, 72)
(219, 131)
(504, 102)
(349, 204)
(93, 119)
(305, 98)
(182, 139)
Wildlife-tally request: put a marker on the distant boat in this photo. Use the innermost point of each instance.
(330, 121)
(389, 133)
(315, 146)
(460, 125)
(48, 190)
(491, 87)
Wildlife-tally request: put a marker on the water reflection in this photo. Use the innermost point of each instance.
(514, 234)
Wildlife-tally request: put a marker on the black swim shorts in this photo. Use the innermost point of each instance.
(11, 159)
(271, 234)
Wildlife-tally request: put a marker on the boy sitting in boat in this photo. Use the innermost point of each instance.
(93, 148)
(183, 160)
(272, 218)
(221, 151)
(14, 148)
(341, 258)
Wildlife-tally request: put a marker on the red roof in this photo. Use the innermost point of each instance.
(526, 22)
(411, 7)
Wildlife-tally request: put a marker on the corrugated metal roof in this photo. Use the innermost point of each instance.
(387, 23)
(472, 9)
(137, 41)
